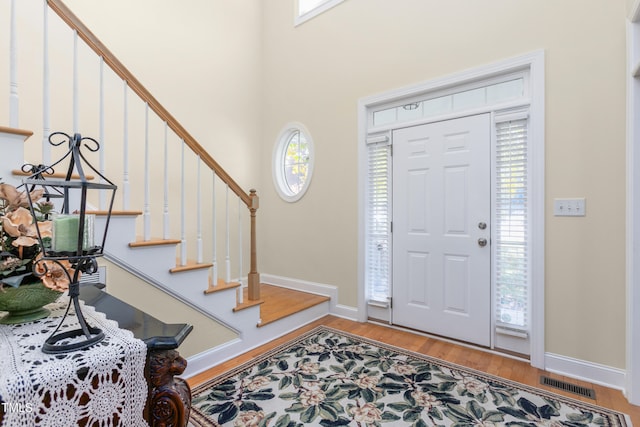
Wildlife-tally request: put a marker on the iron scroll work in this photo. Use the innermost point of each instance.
(72, 251)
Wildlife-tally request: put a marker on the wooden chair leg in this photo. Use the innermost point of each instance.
(169, 399)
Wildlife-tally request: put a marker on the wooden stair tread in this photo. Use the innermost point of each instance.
(115, 213)
(221, 286)
(57, 175)
(248, 303)
(191, 265)
(282, 302)
(16, 131)
(153, 242)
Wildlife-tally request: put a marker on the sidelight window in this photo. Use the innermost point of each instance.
(378, 222)
(511, 224)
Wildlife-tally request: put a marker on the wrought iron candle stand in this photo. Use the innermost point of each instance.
(38, 172)
(73, 234)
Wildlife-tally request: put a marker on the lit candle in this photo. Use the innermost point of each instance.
(65, 233)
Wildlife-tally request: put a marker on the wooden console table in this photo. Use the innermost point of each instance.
(169, 398)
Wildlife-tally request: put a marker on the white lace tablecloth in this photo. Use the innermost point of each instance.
(103, 385)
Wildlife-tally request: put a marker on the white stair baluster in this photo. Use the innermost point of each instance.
(239, 290)
(76, 105)
(147, 180)
(147, 184)
(227, 260)
(101, 168)
(199, 215)
(240, 295)
(46, 90)
(240, 241)
(13, 69)
(183, 234)
(125, 154)
(166, 224)
(214, 234)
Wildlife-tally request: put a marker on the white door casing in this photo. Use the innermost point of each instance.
(533, 64)
(441, 228)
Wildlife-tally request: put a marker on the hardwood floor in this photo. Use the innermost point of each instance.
(277, 302)
(494, 364)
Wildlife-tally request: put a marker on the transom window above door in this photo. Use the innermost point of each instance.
(489, 92)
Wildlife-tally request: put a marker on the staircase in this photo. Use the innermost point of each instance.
(205, 221)
(277, 312)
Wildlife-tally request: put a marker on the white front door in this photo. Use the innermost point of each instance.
(442, 228)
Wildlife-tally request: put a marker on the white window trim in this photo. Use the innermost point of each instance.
(299, 19)
(277, 166)
(535, 63)
(632, 386)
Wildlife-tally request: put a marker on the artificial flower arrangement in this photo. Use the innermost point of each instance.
(20, 253)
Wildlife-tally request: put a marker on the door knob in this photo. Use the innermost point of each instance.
(482, 242)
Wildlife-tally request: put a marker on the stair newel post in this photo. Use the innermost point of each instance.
(254, 276)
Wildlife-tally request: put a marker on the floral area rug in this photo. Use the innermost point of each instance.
(328, 377)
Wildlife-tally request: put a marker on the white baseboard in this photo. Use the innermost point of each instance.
(586, 371)
(575, 368)
(330, 291)
(346, 312)
(202, 361)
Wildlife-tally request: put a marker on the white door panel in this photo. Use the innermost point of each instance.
(441, 192)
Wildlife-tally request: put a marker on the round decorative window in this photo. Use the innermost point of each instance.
(293, 162)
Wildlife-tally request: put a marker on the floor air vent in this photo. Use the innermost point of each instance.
(572, 388)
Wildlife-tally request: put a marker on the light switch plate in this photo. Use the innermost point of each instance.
(569, 207)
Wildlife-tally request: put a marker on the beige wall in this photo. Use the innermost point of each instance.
(234, 72)
(315, 74)
(200, 59)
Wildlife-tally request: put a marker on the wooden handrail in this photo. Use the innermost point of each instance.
(100, 49)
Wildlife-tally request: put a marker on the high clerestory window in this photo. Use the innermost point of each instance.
(307, 9)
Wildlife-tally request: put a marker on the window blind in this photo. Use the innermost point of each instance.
(378, 218)
(511, 224)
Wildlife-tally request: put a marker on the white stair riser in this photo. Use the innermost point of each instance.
(122, 231)
(155, 261)
(157, 258)
(11, 147)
